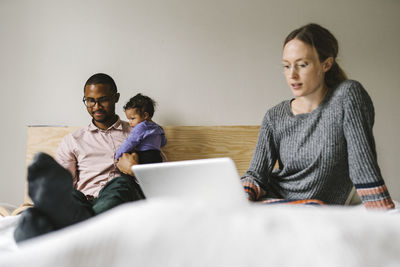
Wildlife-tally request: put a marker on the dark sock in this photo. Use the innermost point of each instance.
(50, 188)
(32, 223)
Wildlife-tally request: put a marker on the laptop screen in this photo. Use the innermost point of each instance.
(211, 180)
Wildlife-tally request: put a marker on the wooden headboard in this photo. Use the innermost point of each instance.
(184, 143)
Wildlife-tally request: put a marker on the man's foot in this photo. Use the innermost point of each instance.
(50, 188)
(32, 223)
(49, 184)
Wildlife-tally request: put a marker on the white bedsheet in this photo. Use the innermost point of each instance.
(7, 226)
(168, 233)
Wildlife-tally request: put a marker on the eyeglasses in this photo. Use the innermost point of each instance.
(102, 101)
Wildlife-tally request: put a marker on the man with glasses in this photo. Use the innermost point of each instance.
(84, 180)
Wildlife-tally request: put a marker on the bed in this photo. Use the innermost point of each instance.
(166, 232)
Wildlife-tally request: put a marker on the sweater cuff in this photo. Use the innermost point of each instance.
(375, 195)
(251, 187)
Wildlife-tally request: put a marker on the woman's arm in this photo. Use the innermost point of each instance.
(262, 163)
(363, 166)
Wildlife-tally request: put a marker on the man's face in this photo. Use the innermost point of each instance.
(100, 103)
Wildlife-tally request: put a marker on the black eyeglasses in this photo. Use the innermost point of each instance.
(102, 101)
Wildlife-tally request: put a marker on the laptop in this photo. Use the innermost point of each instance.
(213, 180)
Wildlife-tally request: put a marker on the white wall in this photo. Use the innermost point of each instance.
(208, 62)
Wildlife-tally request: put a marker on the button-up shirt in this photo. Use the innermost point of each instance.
(88, 153)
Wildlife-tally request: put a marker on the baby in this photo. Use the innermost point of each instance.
(146, 137)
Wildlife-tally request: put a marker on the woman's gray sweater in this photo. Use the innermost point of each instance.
(321, 154)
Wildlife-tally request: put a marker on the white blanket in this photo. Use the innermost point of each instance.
(168, 233)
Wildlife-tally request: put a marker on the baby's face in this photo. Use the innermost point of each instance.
(133, 116)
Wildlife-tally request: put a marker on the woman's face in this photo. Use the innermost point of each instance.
(303, 71)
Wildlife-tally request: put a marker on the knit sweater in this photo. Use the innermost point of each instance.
(321, 154)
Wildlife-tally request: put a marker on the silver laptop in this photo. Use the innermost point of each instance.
(208, 180)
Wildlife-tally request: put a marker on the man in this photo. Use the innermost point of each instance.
(84, 180)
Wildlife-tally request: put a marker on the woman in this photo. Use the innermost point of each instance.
(322, 138)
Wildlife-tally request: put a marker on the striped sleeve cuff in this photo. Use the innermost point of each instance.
(375, 195)
(253, 190)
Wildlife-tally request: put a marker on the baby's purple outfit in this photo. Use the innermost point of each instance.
(144, 136)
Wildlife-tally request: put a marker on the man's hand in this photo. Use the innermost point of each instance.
(126, 161)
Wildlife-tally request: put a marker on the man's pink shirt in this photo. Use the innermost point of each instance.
(88, 153)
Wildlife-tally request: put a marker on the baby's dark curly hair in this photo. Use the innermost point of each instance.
(142, 104)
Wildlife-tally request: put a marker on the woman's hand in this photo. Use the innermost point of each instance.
(126, 161)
